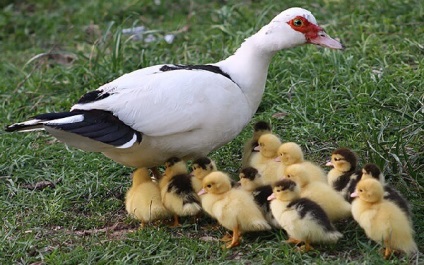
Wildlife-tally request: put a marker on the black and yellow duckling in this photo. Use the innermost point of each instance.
(177, 191)
(201, 167)
(260, 128)
(303, 219)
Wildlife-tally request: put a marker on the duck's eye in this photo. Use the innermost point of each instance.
(360, 190)
(297, 22)
(277, 190)
(208, 186)
(288, 176)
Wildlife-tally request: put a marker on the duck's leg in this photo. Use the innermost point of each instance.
(176, 221)
(307, 247)
(142, 225)
(227, 237)
(388, 251)
(292, 240)
(236, 238)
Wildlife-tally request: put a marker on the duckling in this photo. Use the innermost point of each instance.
(382, 220)
(177, 191)
(143, 200)
(331, 201)
(303, 219)
(264, 161)
(251, 181)
(391, 194)
(260, 128)
(290, 153)
(200, 169)
(234, 209)
(344, 176)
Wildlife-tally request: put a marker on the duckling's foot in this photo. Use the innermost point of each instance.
(227, 237)
(293, 241)
(236, 238)
(388, 253)
(305, 248)
(176, 222)
(142, 225)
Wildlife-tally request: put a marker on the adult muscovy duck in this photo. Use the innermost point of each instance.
(147, 116)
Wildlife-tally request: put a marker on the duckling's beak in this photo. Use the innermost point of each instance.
(271, 197)
(277, 159)
(354, 195)
(201, 192)
(257, 148)
(329, 164)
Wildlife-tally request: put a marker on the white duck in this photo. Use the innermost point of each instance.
(157, 112)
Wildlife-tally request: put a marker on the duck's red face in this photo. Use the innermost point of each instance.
(313, 33)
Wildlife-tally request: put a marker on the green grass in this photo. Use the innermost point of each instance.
(368, 97)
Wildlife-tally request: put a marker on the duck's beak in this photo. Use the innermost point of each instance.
(271, 197)
(201, 192)
(257, 148)
(277, 159)
(322, 39)
(329, 164)
(354, 195)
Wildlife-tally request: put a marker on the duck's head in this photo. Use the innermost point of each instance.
(216, 183)
(372, 171)
(298, 174)
(174, 166)
(250, 178)
(202, 167)
(268, 145)
(343, 159)
(369, 190)
(285, 190)
(289, 153)
(292, 27)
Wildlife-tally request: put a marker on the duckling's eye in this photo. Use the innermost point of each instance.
(288, 176)
(360, 190)
(208, 186)
(297, 22)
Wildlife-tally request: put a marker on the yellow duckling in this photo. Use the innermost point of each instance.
(264, 161)
(143, 200)
(382, 220)
(344, 176)
(251, 181)
(177, 191)
(331, 201)
(233, 208)
(290, 153)
(391, 194)
(200, 169)
(303, 219)
(260, 128)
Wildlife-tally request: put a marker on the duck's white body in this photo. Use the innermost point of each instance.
(144, 117)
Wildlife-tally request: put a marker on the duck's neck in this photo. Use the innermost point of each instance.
(248, 67)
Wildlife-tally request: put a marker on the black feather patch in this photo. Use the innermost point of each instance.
(93, 96)
(394, 196)
(262, 126)
(373, 170)
(205, 67)
(348, 155)
(97, 125)
(172, 161)
(181, 185)
(342, 181)
(202, 162)
(249, 173)
(261, 194)
(305, 206)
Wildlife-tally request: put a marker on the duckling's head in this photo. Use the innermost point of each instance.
(343, 159)
(175, 166)
(298, 174)
(250, 178)
(369, 190)
(202, 167)
(290, 153)
(285, 190)
(216, 182)
(268, 145)
(141, 175)
(372, 171)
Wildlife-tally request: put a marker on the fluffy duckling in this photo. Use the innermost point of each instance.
(260, 128)
(251, 181)
(177, 191)
(290, 153)
(331, 201)
(234, 209)
(382, 220)
(200, 169)
(391, 194)
(264, 161)
(344, 176)
(303, 219)
(143, 200)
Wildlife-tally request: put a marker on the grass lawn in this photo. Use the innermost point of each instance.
(368, 97)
